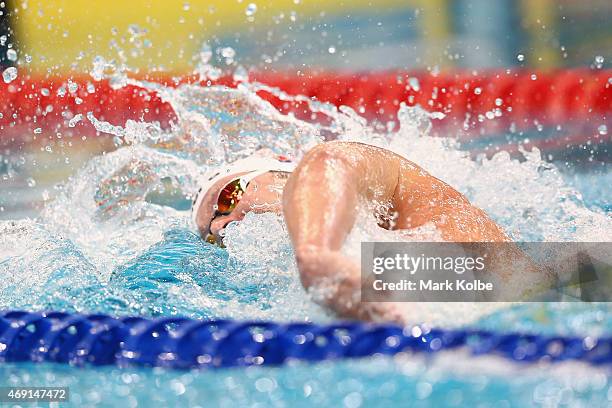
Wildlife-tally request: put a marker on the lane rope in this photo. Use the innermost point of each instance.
(486, 102)
(183, 343)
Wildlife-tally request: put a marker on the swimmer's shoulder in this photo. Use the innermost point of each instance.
(361, 147)
(369, 156)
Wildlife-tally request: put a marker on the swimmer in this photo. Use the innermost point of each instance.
(319, 198)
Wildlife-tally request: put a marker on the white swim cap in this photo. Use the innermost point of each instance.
(253, 166)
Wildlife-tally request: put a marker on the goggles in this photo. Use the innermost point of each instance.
(227, 200)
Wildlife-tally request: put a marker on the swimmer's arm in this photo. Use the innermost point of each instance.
(320, 204)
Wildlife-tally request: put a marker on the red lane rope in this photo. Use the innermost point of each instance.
(479, 103)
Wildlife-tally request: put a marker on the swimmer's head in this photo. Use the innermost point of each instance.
(226, 194)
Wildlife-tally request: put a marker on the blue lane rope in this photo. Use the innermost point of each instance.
(187, 343)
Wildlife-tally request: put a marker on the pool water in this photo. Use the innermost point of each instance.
(138, 254)
(591, 184)
(406, 380)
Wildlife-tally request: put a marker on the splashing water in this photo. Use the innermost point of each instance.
(118, 238)
(9, 75)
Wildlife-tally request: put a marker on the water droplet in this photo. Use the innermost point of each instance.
(11, 54)
(589, 342)
(9, 75)
(520, 57)
(599, 61)
(498, 102)
(332, 50)
(186, 6)
(204, 359)
(265, 384)
(72, 87)
(38, 131)
(31, 182)
(392, 341)
(45, 92)
(228, 52)
(477, 91)
(414, 83)
(251, 9)
(603, 130)
(76, 119)
(99, 65)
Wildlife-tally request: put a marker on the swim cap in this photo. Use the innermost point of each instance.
(253, 166)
